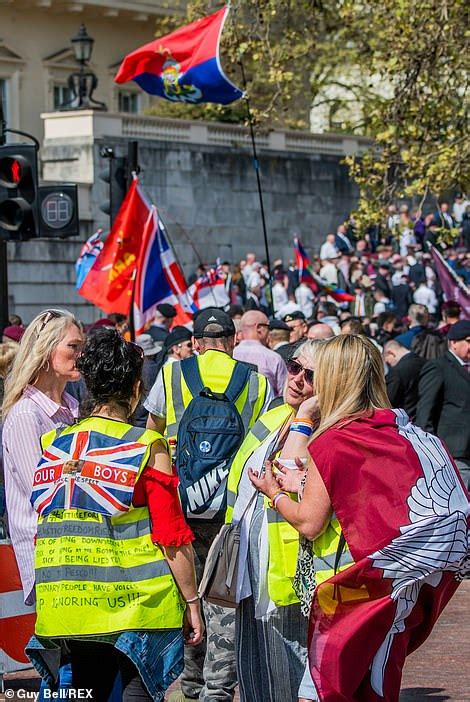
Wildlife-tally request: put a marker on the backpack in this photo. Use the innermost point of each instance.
(429, 344)
(209, 435)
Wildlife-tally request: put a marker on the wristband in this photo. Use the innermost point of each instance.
(193, 600)
(272, 502)
(302, 428)
(278, 497)
(304, 420)
(273, 498)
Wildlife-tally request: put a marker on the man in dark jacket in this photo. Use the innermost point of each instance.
(403, 376)
(444, 397)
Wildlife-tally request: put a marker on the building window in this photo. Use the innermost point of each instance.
(62, 96)
(128, 102)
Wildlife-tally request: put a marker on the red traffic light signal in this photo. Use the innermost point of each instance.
(18, 191)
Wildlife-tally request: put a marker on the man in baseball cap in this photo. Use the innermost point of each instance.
(213, 323)
(161, 325)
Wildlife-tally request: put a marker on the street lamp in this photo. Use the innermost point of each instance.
(83, 83)
(82, 45)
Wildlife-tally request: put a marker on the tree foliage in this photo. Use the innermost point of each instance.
(394, 70)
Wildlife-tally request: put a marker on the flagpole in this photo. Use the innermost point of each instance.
(258, 181)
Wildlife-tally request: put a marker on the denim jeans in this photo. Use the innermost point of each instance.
(157, 655)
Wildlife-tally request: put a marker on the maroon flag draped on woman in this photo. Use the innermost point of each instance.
(404, 514)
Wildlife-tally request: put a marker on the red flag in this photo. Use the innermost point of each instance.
(403, 511)
(183, 66)
(108, 284)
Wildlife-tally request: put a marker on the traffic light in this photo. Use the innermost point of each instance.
(58, 211)
(115, 175)
(18, 191)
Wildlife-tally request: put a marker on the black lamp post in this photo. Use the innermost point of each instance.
(83, 83)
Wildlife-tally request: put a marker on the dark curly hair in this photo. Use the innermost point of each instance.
(110, 368)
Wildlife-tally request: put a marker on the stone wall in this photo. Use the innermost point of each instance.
(207, 196)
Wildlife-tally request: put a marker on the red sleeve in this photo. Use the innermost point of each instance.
(159, 491)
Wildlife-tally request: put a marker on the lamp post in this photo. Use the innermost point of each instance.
(83, 83)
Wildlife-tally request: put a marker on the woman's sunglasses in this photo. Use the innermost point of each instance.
(294, 368)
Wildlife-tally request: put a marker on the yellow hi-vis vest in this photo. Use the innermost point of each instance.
(216, 369)
(97, 574)
(325, 548)
(283, 539)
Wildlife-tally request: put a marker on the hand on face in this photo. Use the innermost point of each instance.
(309, 409)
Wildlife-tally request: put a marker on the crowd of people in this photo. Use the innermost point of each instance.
(288, 415)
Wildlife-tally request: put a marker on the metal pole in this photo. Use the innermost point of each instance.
(132, 168)
(258, 182)
(3, 245)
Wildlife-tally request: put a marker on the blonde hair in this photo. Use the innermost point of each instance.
(349, 379)
(38, 342)
(8, 351)
(308, 350)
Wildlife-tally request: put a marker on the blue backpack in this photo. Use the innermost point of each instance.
(209, 435)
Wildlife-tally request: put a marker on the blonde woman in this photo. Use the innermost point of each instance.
(387, 512)
(35, 402)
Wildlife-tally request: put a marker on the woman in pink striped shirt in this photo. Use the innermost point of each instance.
(34, 403)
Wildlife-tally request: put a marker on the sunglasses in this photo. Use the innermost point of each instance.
(295, 368)
(48, 315)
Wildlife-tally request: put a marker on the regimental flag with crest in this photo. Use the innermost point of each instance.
(109, 282)
(87, 470)
(407, 532)
(183, 66)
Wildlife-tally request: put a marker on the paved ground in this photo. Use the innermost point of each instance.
(438, 671)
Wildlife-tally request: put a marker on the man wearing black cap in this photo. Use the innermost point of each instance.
(298, 333)
(210, 671)
(178, 344)
(444, 397)
(164, 316)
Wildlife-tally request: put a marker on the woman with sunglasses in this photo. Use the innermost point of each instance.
(271, 632)
(115, 579)
(387, 513)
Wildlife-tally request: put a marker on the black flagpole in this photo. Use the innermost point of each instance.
(258, 182)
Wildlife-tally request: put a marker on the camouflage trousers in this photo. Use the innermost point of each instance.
(210, 668)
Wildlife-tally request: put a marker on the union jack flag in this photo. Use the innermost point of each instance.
(88, 255)
(87, 470)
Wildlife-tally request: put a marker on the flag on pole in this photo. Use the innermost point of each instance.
(453, 286)
(110, 280)
(88, 255)
(183, 66)
(303, 264)
(209, 290)
(313, 280)
(159, 277)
